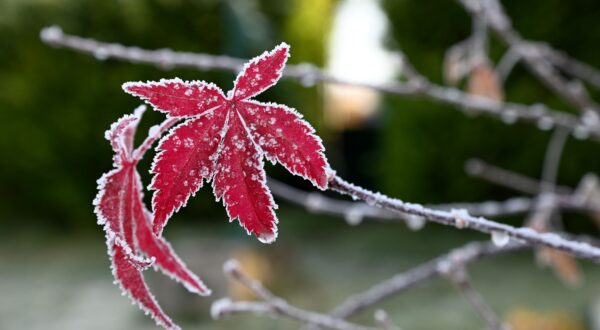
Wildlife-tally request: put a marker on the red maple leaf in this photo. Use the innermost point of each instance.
(128, 225)
(224, 140)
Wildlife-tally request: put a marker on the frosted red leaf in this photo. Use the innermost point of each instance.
(132, 243)
(132, 282)
(225, 141)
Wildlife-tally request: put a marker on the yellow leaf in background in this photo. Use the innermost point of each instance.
(255, 264)
(564, 266)
(349, 106)
(528, 319)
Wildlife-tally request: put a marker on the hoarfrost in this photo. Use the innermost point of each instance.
(354, 215)
(500, 238)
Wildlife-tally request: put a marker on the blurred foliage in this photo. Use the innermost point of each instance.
(423, 145)
(55, 104)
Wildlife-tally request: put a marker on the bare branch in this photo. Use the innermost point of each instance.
(401, 282)
(552, 159)
(535, 59)
(460, 278)
(168, 59)
(354, 212)
(462, 219)
(509, 179)
(573, 66)
(272, 305)
(507, 64)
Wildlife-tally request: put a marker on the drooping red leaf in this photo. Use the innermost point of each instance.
(176, 97)
(131, 281)
(114, 202)
(240, 180)
(260, 73)
(120, 208)
(183, 163)
(166, 260)
(225, 141)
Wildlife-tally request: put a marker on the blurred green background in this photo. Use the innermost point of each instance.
(56, 104)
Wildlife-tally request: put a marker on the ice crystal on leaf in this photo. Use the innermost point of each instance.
(132, 244)
(224, 139)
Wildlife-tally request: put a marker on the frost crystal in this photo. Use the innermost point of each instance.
(354, 215)
(500, 239)
(460, 217)
(415, 222)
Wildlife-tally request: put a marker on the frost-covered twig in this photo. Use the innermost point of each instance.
(154, 134)
(533, 56)
(309, 74)
(354, 212)
(403, 281)
(272, 305)
(507, 64)
(478, 168)
(573, 66)
(546, 207)
(462, 219)
(461, 280)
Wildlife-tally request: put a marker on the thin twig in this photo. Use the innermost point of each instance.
(546, 207)
(478, 168)
(461, 280)
(552, 157)
(534, 58)
(168, 59)
(418, 275)
(355, 212)
(462, 219)
(573, 66)
(506, 64)
(273, 305)
(155, 133)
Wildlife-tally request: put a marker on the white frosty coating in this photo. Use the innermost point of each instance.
(217, 307)
(581, 133)
(354, 215)
(231, 266)
(163, 83)
(159, 154)
(580, 249)
(257, 59)
(154, 130)
(310, 130)
(545, 123)
(266, 238)
(116, 128)
(415, 222)
(314, 202)
(500, 239)
(51, 34)
(127, 293)
(460, 216)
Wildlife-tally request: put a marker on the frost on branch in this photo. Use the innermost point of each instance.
(224, 139)
(127, 223)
